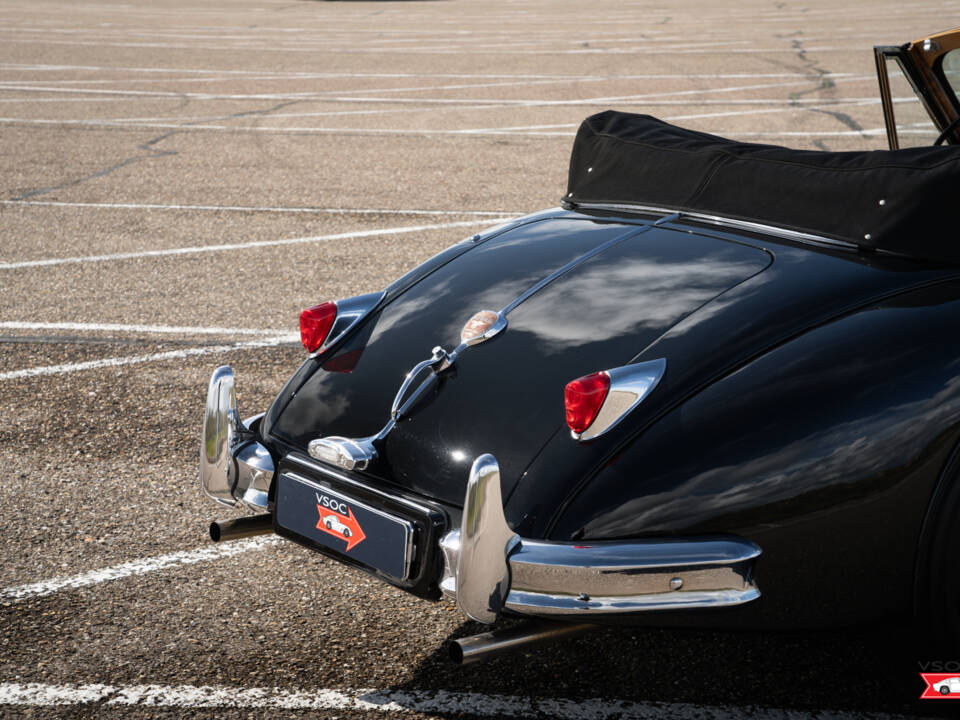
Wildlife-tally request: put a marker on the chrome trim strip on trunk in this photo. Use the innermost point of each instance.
(577, 261)
(489, 568)
(795, 235)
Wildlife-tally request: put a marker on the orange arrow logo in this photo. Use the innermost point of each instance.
(344, 527)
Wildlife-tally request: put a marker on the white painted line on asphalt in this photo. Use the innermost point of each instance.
(164, 80)
(160, 93)
(459, 50)
(115, 327)
(504, 102)
(791, 107)
(356, 131)
(138, 359)
(877, 132)
(245, 246)
(397, 75)
(254, 208)
(32, 100)
(443, 702)
(186, 121)
(767, 111)
(207, 553)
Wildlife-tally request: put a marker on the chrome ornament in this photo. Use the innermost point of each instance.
(482, 326)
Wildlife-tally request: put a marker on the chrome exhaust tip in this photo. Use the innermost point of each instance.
(241, 527)
(484, 646)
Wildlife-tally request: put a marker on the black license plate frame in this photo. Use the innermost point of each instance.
(336, 520)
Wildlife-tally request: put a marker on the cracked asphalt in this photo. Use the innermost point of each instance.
(179, 180)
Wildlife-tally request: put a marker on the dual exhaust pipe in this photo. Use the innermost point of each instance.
(463, 651)
(501, 641)
(241, 527)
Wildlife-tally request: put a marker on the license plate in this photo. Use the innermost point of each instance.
(337, 521)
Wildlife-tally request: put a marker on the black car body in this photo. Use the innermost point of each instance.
(774, 333)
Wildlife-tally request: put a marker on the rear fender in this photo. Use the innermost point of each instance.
(824, 451)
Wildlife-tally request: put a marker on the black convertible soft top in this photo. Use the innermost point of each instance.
(904, 201)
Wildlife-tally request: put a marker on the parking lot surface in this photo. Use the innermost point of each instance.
(178, 180)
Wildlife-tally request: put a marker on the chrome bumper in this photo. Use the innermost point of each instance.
(234, 467)
(488, 567)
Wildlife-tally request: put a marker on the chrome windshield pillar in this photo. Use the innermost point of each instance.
(489, 568)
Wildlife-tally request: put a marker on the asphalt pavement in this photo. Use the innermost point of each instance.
(178, 180)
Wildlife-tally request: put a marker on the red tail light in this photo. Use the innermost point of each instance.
(583, 399)
(315, 324)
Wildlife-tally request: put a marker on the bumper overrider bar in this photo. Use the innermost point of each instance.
(235, 469)
(489, 568)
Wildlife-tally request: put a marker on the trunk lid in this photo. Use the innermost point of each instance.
(505, 396)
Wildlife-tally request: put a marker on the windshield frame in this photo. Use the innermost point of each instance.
(883, 53)
(922, 64)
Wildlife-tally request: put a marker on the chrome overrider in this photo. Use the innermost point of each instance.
(234, 467)
(489, 568)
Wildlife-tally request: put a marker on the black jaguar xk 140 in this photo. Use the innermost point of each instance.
(720, 384)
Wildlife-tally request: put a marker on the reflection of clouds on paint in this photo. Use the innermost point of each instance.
(717, 306)
(840, 454)
(403, 313)
(597, 303)
(491, 276)
(458, 308)
(322, 412)
(494, 298)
